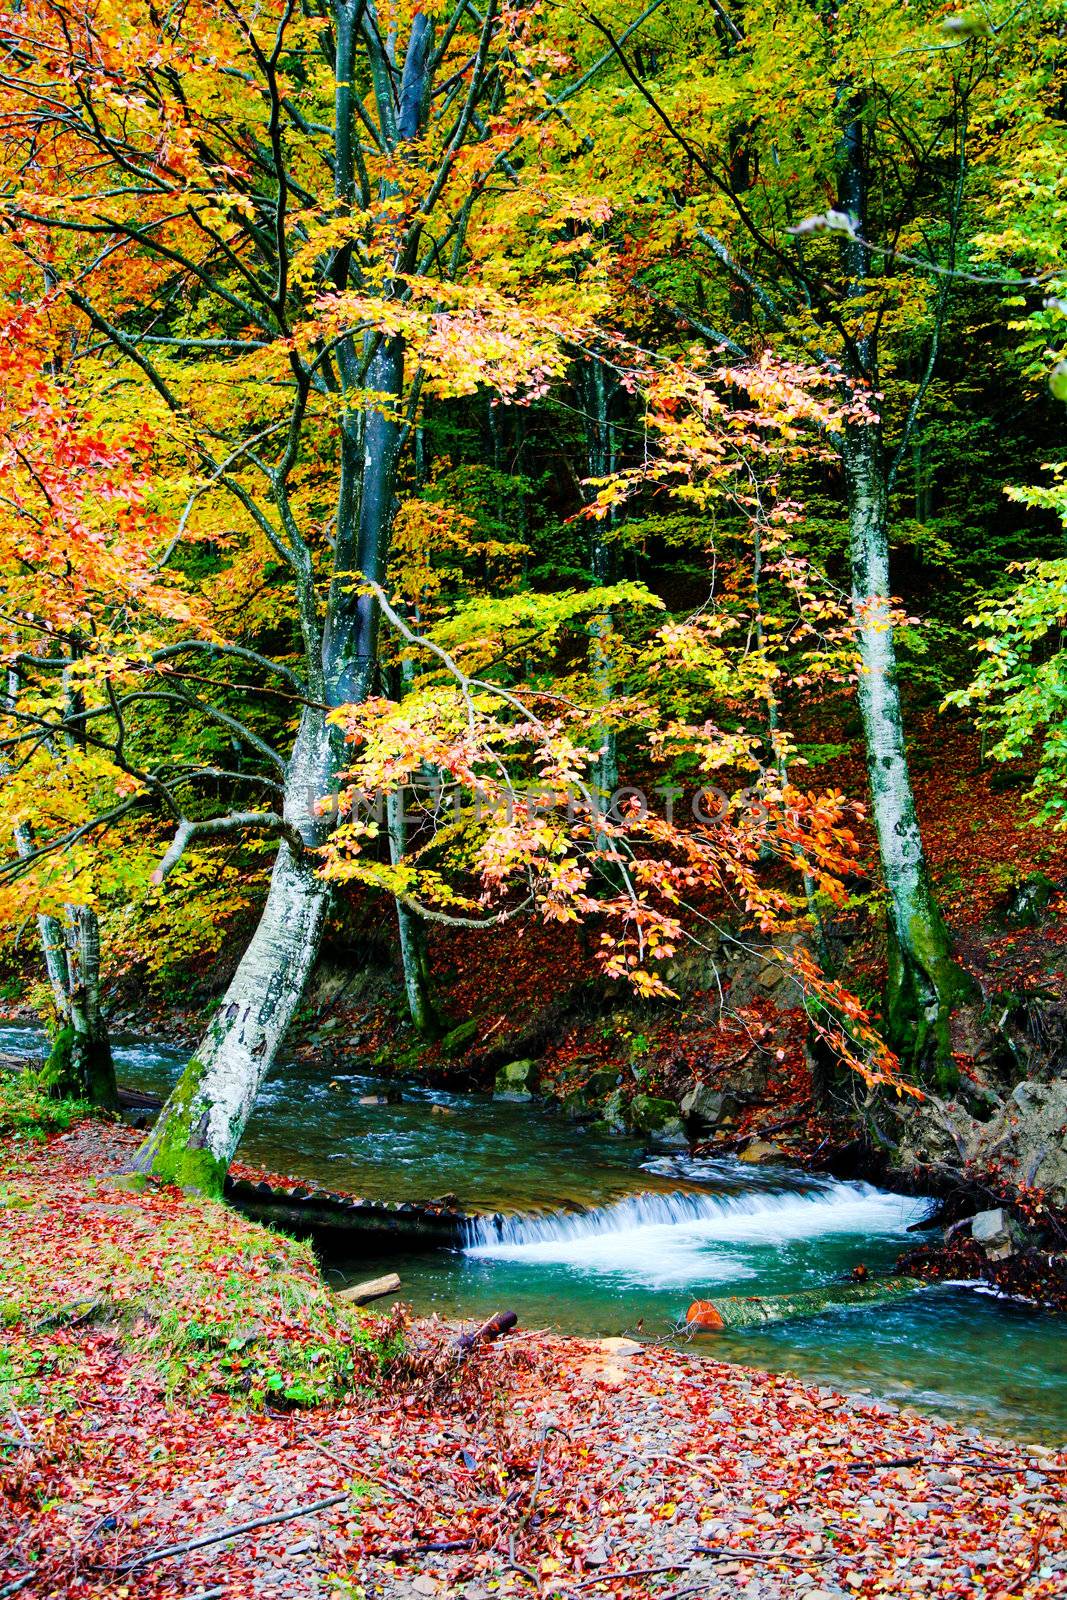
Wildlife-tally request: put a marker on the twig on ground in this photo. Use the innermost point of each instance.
(362, 1473)
(726, 1552)
(232, 1532)
(398, 1552)
(632, 1572)
(26, 1438)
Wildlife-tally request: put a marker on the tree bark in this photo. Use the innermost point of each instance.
(198, 1130)
(92, 1069)
(201, 1124)
(414, 957)
(603, 562)
(756, 1311)
(925, 983)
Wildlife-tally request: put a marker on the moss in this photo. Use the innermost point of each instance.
(171, 1151)
(57, 1074)
(457, 1042)
(926, 985)
(212, 1302)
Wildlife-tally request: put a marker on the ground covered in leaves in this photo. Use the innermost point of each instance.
(190, 1413)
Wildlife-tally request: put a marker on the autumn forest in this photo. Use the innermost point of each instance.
(533, 799)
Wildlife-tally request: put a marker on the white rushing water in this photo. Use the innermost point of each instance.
(665, 1239)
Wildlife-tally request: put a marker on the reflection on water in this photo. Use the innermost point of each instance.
(612, 1242)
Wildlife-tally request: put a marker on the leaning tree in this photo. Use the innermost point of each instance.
(260, 229)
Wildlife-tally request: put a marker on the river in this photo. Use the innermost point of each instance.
(596, 1236)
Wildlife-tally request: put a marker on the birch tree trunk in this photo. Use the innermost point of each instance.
(198, 1129)
(200, 1126)
(202, 1122)
(79, 1064)
(925, 983)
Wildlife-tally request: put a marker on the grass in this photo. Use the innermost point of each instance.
(28, 1110)
(212, 1302)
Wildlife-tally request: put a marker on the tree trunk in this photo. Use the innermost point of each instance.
(603, 562)
(418, 984)
(737, 1311)
(91, 1070)
(200, 1125)
(925, 982)
(79, 1065)
(198, 1129)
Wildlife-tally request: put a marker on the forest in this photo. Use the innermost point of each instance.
(533, 799)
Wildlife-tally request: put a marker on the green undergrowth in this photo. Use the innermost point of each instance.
(29, 1107)
(207, 1301)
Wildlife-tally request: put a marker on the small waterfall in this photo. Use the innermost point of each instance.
(663, 1238)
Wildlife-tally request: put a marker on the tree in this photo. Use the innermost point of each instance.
(272, 243)
(898, 124)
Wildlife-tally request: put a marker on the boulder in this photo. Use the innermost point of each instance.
(703, 1105)
(1027, 901)
(761, 1150)
(517, 1081)
(613, 1115)
(996, 1232)
(650, 1115)
(672, 1135)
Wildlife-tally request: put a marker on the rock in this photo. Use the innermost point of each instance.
(373, 1289)
(761, 1150)
(1027, 901)
(373, 1100)
(460, 1039)
(517, 1081)
(672, 1135)
(613, 1118)
(996, 1232)
(618, 1346)
(650, 1115)
(703, 1105)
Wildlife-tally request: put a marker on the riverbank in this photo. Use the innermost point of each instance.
(176, 1373)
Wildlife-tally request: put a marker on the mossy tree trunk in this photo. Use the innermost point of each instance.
(198, 1130)
(79, 1064)
(925, 982)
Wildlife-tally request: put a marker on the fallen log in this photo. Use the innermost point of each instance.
(373, 1289)
(497, 1325)
(751, 1311)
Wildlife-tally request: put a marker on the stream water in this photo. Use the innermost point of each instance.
(595, 1236)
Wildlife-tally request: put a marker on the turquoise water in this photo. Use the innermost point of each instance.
(597, 1237)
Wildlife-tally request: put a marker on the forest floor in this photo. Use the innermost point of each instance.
(190, 1412)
